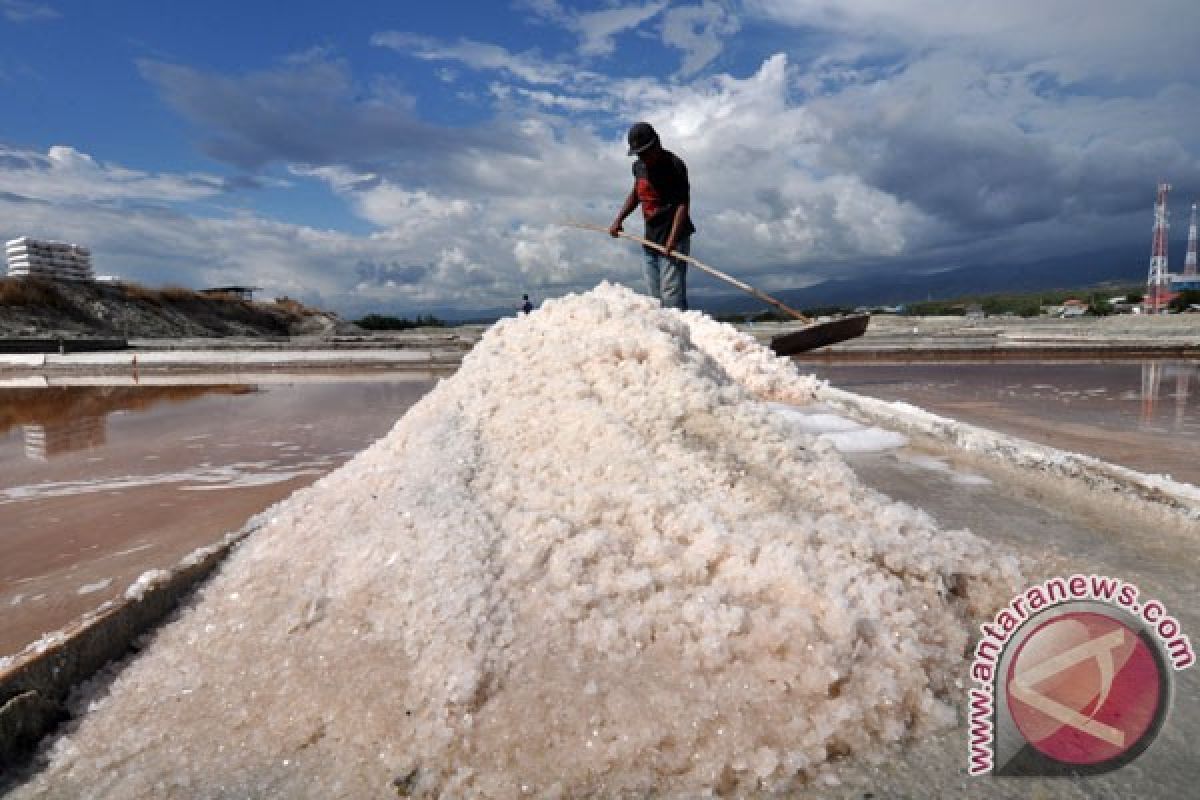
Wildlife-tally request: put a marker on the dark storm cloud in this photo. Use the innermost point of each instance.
(308, 111)
(980, 179)
(973, 178)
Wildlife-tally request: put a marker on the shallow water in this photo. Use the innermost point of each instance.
(1143, 415)
(100, 483)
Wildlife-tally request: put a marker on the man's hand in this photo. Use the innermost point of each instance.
(614, 230)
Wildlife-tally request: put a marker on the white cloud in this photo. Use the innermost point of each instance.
(756, 164)
(1076, 38)
(551, 100)
(752, 158)
(161, 247)
(698, 31)
(477, 55)
(64, 173)
(544, 9)
(27, 11)
(596, 29)
(411, 212)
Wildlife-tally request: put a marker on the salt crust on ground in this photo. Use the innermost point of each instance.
(592, 563)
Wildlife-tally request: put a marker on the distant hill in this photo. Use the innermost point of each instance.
(36, 308)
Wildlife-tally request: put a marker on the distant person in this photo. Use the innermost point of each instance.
(526, 306)
(661, 188)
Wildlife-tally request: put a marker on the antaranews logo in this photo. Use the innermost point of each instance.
(1072, 677)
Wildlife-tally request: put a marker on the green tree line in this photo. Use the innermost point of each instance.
(382, 322)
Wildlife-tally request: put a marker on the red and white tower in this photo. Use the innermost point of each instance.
(1189, 263)
(1157, 289)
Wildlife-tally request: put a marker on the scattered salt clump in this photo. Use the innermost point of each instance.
(591, 563)
(150, 579)
(98, 586)
(846, 435)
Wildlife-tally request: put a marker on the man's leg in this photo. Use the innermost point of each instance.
(674, 278)
(653, 278)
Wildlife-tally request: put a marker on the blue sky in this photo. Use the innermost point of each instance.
(408, 156)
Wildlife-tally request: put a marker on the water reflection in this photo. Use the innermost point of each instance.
(55, 438)
(59, 420)
(1153, 374)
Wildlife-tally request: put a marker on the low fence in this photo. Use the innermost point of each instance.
(61, 345)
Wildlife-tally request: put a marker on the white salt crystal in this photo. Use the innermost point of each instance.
(866, 440)
(150, 579)
(91, 588)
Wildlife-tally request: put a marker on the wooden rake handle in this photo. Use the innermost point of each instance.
(716, 273)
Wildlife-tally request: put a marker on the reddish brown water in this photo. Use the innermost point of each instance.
(1142, 415)
(99, 484)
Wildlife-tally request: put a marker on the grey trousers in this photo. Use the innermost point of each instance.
(666, 278)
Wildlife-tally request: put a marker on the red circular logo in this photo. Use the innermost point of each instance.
(1084, 688)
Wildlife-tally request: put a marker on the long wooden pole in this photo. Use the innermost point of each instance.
(716, 273)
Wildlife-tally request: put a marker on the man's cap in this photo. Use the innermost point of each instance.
(641, 138)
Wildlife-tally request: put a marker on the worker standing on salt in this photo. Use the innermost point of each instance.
(661, 188)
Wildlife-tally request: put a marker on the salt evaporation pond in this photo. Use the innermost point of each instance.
(100, 483)
(594, 561)
(1139, 414)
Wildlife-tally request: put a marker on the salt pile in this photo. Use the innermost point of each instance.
(593, 562)
(35, 258)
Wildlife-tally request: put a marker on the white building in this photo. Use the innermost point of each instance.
(36, 258)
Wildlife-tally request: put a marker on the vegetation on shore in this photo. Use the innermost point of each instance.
(1026, 304)
(1185, 299)
(382, 322)
(30, 292)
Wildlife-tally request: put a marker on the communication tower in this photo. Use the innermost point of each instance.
(1157, 289)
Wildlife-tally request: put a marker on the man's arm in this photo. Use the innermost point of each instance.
(631, 202)
(681, 212)
(682, 190)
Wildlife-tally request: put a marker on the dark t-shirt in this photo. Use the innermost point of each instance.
(660, 190)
